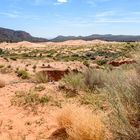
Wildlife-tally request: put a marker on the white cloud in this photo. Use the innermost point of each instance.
(62, 1)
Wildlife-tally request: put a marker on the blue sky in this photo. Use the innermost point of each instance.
(49, 18)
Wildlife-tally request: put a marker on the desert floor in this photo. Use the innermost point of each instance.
(23, 120)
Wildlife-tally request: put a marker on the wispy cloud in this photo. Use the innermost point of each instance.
(90, 24)
(59, 2)
(101, 18)
(18, 15)
(118, 21)
(10, 15)
(114, 16)
(94, 2)
(105, 14)
(42, 2)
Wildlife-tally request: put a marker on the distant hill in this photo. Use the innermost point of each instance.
(108, 37)
(8, 35)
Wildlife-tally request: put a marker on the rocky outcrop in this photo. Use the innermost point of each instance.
(55, 74)
(121, 62)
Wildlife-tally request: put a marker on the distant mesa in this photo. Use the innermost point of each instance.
(108, 37)
(8, 35)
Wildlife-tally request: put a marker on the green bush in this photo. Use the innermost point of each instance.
(86, 63)
(29, 98)
(73, 81)
(101, 62)
(1, 51)
(23, 74)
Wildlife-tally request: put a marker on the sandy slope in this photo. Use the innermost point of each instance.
(70, 42)
(17, 122)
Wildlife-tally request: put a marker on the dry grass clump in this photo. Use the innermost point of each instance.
(80, 123)
(135, 83)
(41, 77)
(29, 99)
(120, 95)
(73, 81)
(2, 83)
(89, 80)
(124, 85)
(94, 78)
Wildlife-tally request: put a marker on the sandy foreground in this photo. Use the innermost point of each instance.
(16, 122)
(38, 122)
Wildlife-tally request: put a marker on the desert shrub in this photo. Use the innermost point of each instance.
(23, 74)
(94, 78)
(80, 123)
(86, 63)
(14, 58)
(89, 80)
(95, 100)
(23, 98)
(44, 99)
(73, 81)
(118, 91)
(28, 98)
(101, 62)
(2, 83)
(34, 67)
(129, 46)
(5, 58)
(117, 119)
(118, 84)
(135, 83)
(41, 77)
(90, 55)
(1, 51)
(122, 91)
(39, 87)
